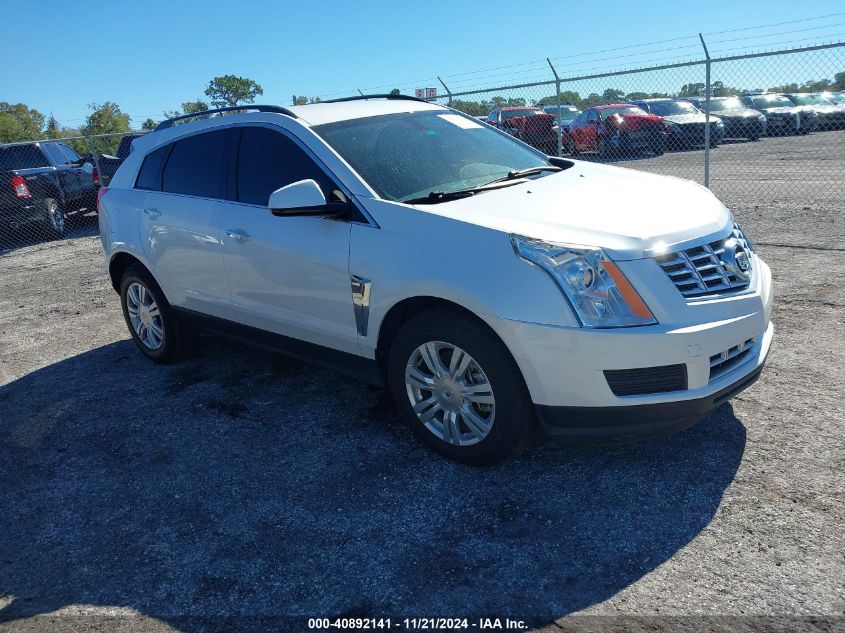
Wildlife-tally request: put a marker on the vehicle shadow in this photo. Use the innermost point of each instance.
(22, 237)
(243, 485)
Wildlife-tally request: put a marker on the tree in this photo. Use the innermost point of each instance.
(105, 119)
(53, 130)
(472, 108)
(149, 124)
(188, 107)
(838, 81)
(299, 100)
(395, 91)
(19, 122)
(612, 95)
(692, 90)
(230, 90)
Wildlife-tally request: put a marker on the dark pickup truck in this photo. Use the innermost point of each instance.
(45, 183)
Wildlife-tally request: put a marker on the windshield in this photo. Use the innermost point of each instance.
(810, 100)
(606, 112)
(405, 156)
(724, 104)
(567, 112)
(669, 108)
(510, 114)
(835, 98)
(773, 101)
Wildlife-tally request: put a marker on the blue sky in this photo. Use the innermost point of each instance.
(151, 56)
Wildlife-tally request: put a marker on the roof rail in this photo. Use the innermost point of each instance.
(377, 96)
(259, 108)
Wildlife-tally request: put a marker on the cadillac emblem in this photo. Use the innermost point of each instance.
(736, 260)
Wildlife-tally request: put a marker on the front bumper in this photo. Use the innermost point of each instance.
(640, 420)
(564, 368)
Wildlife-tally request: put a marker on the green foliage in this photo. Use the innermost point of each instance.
(53, 130)
(472, 108)
(299, 100)
(149, 124)
(230, 90)
(105, 119)
(395, 91)
(20, 123)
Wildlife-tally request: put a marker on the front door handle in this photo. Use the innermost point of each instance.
(237, 234)
(152, 212)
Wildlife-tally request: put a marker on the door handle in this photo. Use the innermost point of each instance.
(152, 212)
(238, 235)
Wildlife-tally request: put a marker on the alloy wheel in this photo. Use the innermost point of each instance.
(450, 393)
(144, 316)
(56, 217)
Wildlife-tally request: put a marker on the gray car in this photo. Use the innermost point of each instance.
(685, 122)
(831, 115)
(782, 115)
(739, 120)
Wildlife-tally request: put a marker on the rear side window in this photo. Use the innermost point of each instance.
(149, 177)
(54, 153)
(269, 160)
(197, 166)
(70, 155)
(22, 157)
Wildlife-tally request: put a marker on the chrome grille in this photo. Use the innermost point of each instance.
(700, 271)
(722, 363)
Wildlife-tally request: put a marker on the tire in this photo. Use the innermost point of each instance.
(55, 220)
(496, 415)
(714, 144)
(660, 149)
(753, 137)
(159, 323)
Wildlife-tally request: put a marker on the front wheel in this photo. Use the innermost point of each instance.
(458, 387)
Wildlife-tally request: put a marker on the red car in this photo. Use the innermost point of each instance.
(616, 129)
(529, 124)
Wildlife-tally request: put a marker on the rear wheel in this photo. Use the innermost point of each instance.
(458, 387)
(55, 219)
(154, 326)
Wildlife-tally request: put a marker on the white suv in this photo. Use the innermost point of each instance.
(492, 288)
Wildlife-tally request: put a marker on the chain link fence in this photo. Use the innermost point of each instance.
(765, 128)
(48, 187)
(753, 127)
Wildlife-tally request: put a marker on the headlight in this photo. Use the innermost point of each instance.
(596, 289)
(719, 123)
(762, 118)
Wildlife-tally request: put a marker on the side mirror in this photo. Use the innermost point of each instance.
(301, 198)
(88, 168)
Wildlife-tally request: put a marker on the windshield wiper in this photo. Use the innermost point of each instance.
(512, 178)
(433, 197)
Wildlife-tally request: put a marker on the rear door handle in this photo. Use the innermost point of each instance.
(236, 234)
(152, 212)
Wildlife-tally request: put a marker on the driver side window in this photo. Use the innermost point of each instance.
(268, 160)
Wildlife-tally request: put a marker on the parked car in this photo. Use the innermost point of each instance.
(739, 121)
(615, 129)
(486, 284)
(685, 122)
(45, 183)
(831, 115)
(567, 113)
(782, 115)
(527, 123)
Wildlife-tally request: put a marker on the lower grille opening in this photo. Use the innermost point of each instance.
(722, 363)
(645, 380)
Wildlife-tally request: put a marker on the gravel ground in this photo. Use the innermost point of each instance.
(240, 489)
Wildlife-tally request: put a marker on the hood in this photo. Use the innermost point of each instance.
(633, 122)
(624, 211)
(738, 113)
(681, 119)
(782, 110)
